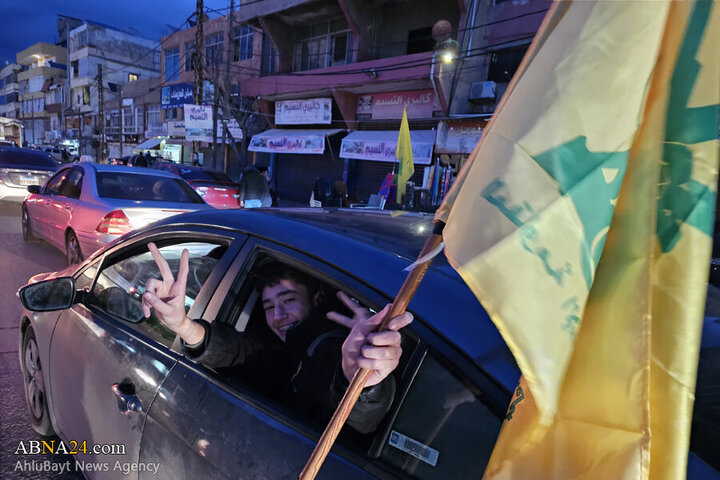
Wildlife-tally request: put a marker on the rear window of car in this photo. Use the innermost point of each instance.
(26, 158)
(134, 186)
(195, 174)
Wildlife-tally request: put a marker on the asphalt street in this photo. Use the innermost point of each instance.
(19, 261)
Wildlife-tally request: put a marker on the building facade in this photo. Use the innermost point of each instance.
(231, 54)
(41, 92)
(122, 57)
(10, 91)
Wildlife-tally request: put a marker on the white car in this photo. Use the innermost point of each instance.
(85, 206)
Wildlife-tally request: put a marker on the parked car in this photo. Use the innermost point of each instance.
(57, 153)
(130, 161)
(85, 206)
(7, 143)
(21, 167)
(214, 186)
(95, 370)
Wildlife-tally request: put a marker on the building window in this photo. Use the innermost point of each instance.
(420, 40)
(189, 56)
(323, 44)
(171, 114)
(154, 117)
(504, 63)
(132, 77)
(269, 56)
(172, 64)
(214, 49)
(75, 71)
(243, 43)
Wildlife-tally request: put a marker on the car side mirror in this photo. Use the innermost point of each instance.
(33, 188)
(48, 295)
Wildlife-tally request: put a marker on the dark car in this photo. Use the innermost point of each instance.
(214, 186)
(22, 167)
(97, 371)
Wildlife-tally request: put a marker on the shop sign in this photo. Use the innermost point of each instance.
(362, 146)
(176, 129)
(386, 106)
(177, 95)
(234, 128)
(288, 144)
(158, 130)
(198, 123)
(458, 136)
(303, 112)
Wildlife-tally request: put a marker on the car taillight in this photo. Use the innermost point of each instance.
(114, 223)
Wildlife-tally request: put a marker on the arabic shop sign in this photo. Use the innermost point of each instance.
(384, 106)
(234, 129)
(198, 123)
(288, 143)
(458, 136)
(177, 95)
(303, 112)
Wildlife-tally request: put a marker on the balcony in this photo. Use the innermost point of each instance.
(404, 72)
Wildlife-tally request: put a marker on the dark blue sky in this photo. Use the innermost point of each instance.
(26, 22)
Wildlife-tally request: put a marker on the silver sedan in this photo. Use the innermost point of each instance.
(85, 206)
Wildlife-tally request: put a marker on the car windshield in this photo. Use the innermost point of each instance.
(197, 174)
(26, 158)
(134, 186)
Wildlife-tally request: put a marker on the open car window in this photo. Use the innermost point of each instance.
(119, 286)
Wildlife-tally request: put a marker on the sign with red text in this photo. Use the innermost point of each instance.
(386, 106)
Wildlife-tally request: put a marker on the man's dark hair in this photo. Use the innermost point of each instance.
(273, 273)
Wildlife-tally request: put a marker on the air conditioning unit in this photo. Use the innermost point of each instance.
(482, 91)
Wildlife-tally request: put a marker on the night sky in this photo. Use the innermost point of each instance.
(26, 22)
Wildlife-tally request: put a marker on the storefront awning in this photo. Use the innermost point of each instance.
(150, 144)
(380, 145)
(279, 140)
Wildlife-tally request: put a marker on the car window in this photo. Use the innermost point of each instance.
(120, 285)
(145, 187)
(55, 184)
(442, 430)
(26, 158)
(73, 184)
(84, 280)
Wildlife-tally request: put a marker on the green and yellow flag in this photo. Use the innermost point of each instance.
(405, 157)
(583, 224)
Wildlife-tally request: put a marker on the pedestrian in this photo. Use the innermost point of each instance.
(254, 190)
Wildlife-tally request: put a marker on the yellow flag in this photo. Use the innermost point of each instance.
(583, 224)
(404, 156)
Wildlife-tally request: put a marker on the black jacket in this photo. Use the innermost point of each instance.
(304, 373)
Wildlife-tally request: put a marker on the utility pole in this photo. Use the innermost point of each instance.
(199, 47)
(101, 110)
(226, 97)
(120, 120)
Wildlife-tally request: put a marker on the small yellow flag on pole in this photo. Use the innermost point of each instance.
(405, 157)
(583, 223)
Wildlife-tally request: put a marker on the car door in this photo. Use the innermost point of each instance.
(107, 363)
(206, 425)
(40, 206)
(63, 205)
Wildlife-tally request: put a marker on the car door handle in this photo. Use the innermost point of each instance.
(127, 402)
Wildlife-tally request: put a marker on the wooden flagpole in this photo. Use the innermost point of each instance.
(398, 307)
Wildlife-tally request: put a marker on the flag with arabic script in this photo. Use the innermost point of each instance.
(583, 224)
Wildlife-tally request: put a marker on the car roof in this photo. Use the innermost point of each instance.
(375, 247)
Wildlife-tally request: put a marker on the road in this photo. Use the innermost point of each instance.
(19, 260)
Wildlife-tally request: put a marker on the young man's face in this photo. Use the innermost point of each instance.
(286, 305)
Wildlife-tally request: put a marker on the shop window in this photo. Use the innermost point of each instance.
(171, 114)
(420, 40)
(133, 77)
(172, 64)
(504, 63)
(243, 43)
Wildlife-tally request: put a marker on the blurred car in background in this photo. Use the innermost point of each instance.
(85, 206)
(22, 167)
(214, 186)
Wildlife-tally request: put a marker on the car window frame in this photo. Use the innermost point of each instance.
(63, 189)
(164, 235)
(46, 188)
